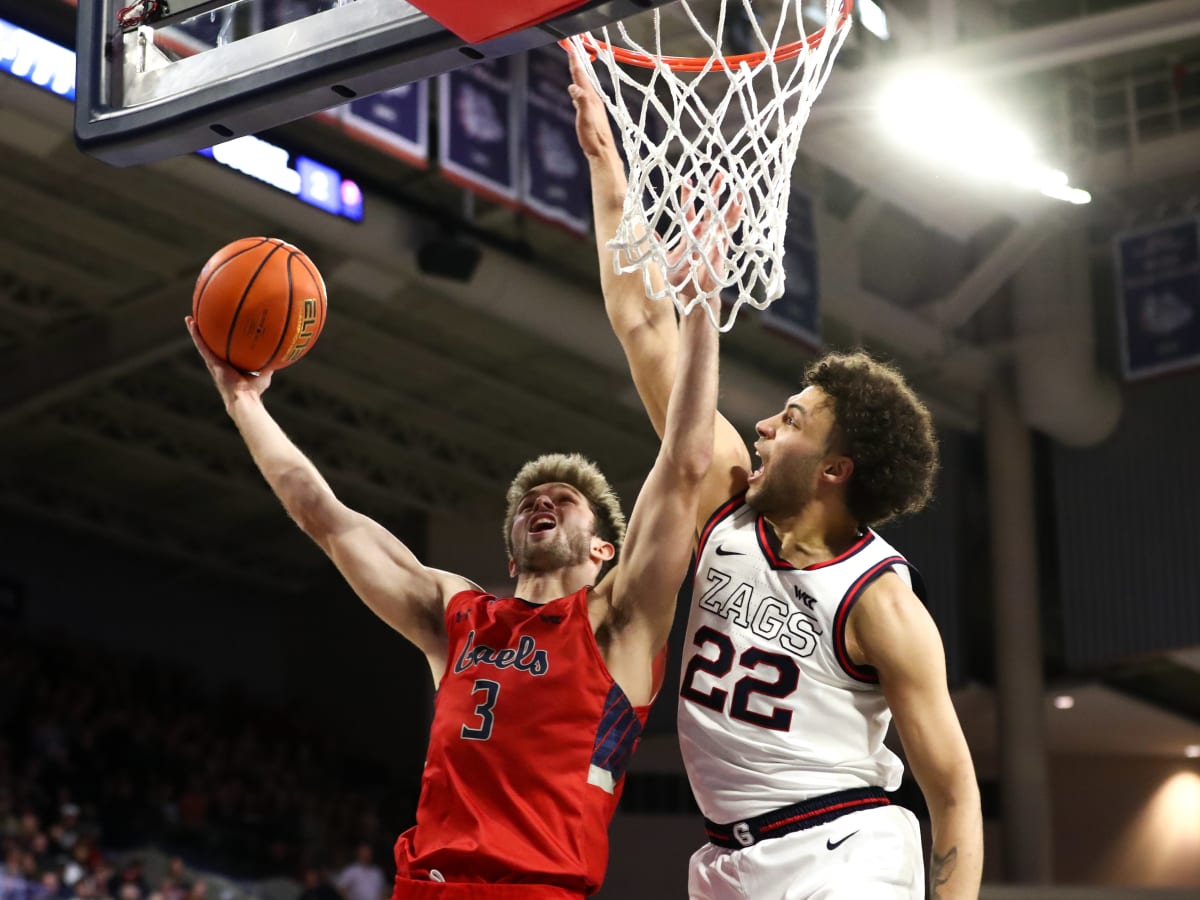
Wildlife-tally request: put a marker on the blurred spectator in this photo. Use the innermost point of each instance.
(101, 754)
(129, 883)
(315, 886)
(362, 879)
(78, 866)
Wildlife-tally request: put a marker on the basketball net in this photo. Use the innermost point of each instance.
(732, 128)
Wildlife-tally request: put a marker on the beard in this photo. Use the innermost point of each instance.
(786, 489)
(564, 551)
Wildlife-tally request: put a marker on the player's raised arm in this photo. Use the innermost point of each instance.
(658, 543)
(646, 329)
(382, 570)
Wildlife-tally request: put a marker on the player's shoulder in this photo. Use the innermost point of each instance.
(451, 586)
(890, 605)
(891, 586)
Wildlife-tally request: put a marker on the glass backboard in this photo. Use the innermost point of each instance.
(159, 78)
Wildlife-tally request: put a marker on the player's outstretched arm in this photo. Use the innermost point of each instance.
(646, 329)
(654, 557)
(892, 631)
(382, 570)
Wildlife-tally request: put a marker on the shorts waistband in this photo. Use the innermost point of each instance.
(421, 889)
(798, 816)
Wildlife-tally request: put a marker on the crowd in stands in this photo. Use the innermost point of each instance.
(101, 754)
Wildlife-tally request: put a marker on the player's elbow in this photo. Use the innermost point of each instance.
(689, 461)
(642, 325)
(953, 787)
(310, 504)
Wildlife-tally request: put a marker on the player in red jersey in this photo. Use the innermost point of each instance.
(541, 696)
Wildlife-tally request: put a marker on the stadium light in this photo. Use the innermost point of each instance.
(934, 115)
(873, 17)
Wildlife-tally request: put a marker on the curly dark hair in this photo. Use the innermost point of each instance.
(884, 428)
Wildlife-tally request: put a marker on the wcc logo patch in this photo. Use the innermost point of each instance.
(804, 597)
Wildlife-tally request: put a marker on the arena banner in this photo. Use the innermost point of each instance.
(478, 131)
(1158, 292)
(556, 185)
(798, 312)
(396, 121)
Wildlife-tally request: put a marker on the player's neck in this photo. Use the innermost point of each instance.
(542, 587)
(820, 531)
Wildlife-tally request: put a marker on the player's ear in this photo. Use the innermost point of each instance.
(838, 469)
(602, 550)
(512, 568)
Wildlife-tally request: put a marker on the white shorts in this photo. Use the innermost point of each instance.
(872, 854)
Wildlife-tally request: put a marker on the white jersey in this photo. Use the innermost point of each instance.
(772, 710)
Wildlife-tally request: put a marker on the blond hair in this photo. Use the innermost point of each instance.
(583, 475)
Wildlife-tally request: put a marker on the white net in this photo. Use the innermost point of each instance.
(701, 133)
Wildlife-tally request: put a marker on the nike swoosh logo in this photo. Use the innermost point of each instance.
(721, 551)
(833, 845)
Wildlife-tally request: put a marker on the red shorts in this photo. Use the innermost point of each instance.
(408, 889)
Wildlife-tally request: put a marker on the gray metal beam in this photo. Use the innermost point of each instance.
(981, 284)
(94, 351)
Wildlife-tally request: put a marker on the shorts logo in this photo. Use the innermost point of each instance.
(742, 834)
(833, 845)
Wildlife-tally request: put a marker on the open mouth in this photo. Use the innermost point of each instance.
(756, 473)
(542, 523)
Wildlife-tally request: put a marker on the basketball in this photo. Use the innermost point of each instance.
(259, 304)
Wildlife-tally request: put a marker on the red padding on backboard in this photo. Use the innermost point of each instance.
(482, 21)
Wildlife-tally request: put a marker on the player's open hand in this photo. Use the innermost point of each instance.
(230, 382)
(591, 120)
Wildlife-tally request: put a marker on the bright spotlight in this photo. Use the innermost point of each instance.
(1064, 701)
(936, 116)
(874, 19)
(1192, 751)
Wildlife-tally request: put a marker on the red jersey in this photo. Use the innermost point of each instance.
(527, 752)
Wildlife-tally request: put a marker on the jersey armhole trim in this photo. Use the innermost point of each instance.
(723, 511)
(864, 674)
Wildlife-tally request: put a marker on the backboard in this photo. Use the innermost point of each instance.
(159, 78)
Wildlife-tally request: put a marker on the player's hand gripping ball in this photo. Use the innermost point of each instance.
(259, 304)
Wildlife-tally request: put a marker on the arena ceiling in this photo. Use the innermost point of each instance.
(425, 394)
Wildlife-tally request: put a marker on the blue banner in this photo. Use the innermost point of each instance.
(798, 311)
(477, 128)
(1158, 280)
(397, 121)
(557, 184)
(37, 60)
(306, 179)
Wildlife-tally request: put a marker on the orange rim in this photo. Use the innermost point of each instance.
(697, 63)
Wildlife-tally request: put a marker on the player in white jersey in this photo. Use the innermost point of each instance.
(805, 638)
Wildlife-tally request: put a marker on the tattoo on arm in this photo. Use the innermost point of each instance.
(941, 868)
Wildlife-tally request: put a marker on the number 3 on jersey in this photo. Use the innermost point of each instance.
(779, 718)
(490, 691)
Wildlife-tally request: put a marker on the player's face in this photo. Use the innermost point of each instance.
(553, 529)
(793, 447)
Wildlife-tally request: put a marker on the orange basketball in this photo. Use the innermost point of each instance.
(259, 304)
